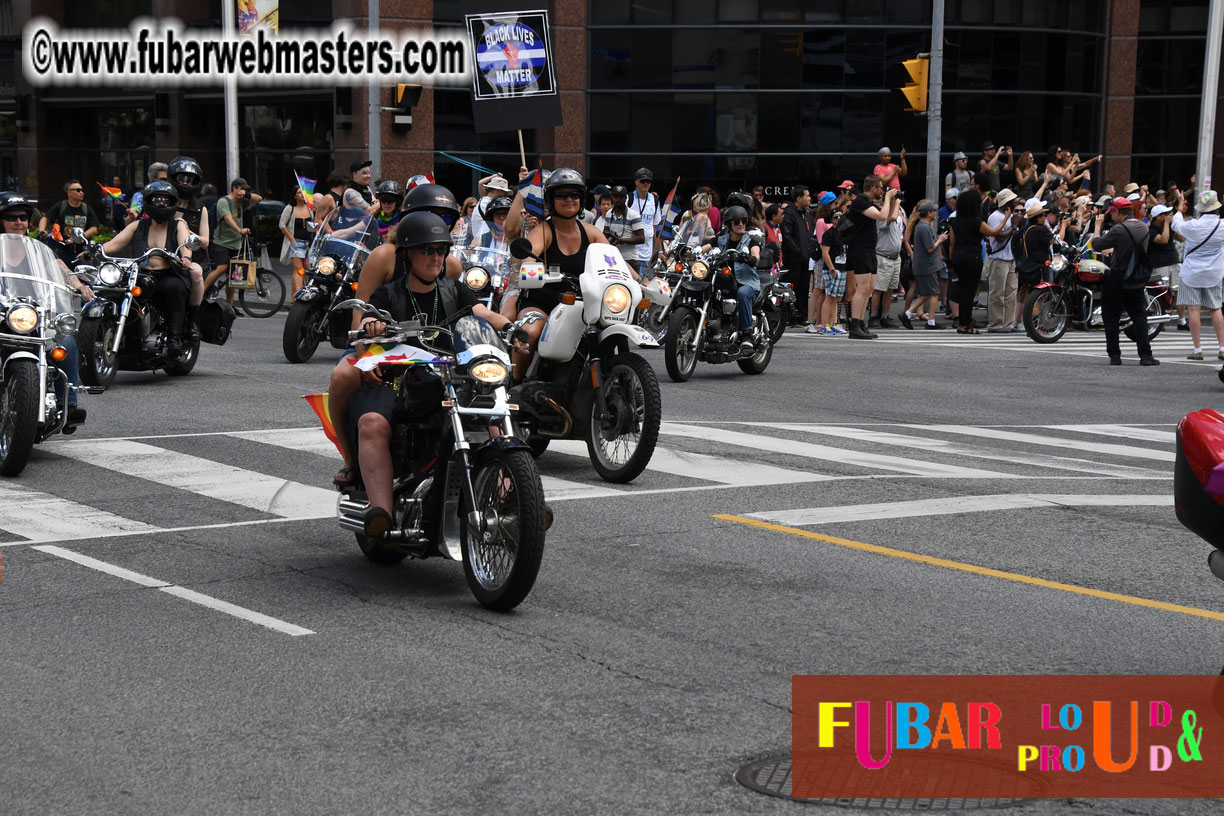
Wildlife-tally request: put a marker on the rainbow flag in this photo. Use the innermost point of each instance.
(113, 192)
(318, 403)
(307, 187)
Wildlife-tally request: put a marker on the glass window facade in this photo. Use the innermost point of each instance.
(740, 91)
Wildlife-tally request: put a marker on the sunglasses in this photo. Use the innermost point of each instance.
(738, 222)
(389, 200)
(161, 201)
(436, 249)
(568, 196)
(76, 190)
(13, 218)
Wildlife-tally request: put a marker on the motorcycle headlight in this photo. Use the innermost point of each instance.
(616, 298)
(65, 323)
(109, 274)
(1058, 263)
(22, 319)
(476, 278)
(326, 266)
(700, 270)
(489, 372)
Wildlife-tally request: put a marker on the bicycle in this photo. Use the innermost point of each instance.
(265, 298)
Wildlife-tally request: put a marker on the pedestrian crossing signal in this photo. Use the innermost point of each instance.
(916, 91)
(406, 97)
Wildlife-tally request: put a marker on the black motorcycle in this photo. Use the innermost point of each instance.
(703, 323)
(341, 245)
(479, 502)
(121, 328)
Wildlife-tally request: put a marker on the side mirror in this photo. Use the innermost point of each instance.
(521, 248)
(193, 243)
(313, 226)
(78, 235)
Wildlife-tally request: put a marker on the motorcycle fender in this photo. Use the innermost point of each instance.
(97, 307)
(307, 294)
(695, 286)
(17, 355)
(1046, 285)
(496, 446)
(633, 334)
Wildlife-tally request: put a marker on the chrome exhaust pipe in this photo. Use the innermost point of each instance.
(354, 524)
(347, 505)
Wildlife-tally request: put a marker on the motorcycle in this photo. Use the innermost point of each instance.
(1072, 297)
(36, 313)
(781, 301)
(486, 272)
(584, 382)
(458, 491)
(339, 250)
(658, 284)
(121, 328)
(703, 324)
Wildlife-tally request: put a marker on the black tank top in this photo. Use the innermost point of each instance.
(300, 231)
(192, 214)
(364, 192)
(140, 238)
(570, 265)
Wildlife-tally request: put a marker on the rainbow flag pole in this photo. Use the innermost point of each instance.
(307, 187)
(113, 192)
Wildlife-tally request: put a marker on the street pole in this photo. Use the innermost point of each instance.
(935, 101)
(375, 120)
(230, 29)
(1211, 90)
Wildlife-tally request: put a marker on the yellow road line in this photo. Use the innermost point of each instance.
(958, 565)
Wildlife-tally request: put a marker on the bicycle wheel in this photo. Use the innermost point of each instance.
(266, 298)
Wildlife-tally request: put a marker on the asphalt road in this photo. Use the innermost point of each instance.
(655, 654)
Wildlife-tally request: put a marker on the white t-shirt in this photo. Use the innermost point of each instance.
(993, 249)
(622, 226)
(651, 214)
(1204, 265)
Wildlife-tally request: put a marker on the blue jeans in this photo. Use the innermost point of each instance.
(70, 365)
(744, 296)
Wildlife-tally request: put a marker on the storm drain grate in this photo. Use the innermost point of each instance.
(772, 776)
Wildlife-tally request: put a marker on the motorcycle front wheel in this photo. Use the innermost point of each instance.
(300, 338)
(621, 442)
(267, 296)
(18, 416)
(682, 345)
(501, 561)
(1045, 316)
(95, 338)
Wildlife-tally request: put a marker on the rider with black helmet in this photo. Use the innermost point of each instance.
(494, 214)
(736, 237)
(187, 177)
(160, 229)
(562, 243)
(15, 214)
(412, 265)
(390, 196)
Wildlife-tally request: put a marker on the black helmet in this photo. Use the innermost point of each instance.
(742, 200)
(159, 188)
(190, 170)
(15, 201)
(389, 187)
(562, 177)
(733, 213)
(433, 197)
(420, 229)
(498, 203)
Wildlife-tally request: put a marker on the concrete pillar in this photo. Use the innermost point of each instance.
(1119, 109)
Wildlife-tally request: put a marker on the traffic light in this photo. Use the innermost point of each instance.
(916, 91)
(406, 98)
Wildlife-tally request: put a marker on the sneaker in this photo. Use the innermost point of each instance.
(1194, 355)
(836, 331)
(1220, 354)
(1115, 361)
(746, 347)
(1148, 361)
(873, 323)
(905, 321)
(1183, 327)
(812, 328)
(76, 416)
(935, 326)
(887, 323)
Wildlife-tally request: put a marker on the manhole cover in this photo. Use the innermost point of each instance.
(773, 776)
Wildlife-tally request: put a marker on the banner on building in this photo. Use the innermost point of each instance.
(253, 14)
(514, 79)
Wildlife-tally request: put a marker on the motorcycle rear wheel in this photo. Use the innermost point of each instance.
(1045, 317)
(95, 339)
(18, 416)
(777, 324)
(501, 564)
(299, 339)
(682, 346)
(620, 446)
(757, 363)
(267, 296)
(1154, 309)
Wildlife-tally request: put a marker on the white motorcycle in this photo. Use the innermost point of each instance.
(584, 382)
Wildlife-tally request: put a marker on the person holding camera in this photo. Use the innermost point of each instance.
(1000, 266)
(623, 227)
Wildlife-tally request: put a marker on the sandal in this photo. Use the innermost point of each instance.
(345, 477)
(967, 330)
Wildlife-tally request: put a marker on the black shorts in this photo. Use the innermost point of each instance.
(861, 262)
(369, 399)
(219, 255)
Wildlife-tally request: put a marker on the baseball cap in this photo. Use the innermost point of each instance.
(1160, 209)
(845, 185)
(1120, 204)
(926, 207)
(1133, 197)
(952, 192)
(240, 182)
(826, 198)
(960, 157)
(600, 189)
(358, 165)
(1103, 201)
(643, 174)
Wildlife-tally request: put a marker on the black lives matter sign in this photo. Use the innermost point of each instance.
(514, 80)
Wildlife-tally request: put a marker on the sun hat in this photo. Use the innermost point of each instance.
(1208, 201)
(498, 182)
(1033, 208)
(1005, 197)
(1132, 187)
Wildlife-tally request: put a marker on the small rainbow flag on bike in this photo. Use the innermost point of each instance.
(307, 187)
(318, 403)
(113, 192)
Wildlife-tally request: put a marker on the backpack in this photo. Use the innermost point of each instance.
(1140, 268)
(1017, 242)
(1024, 264)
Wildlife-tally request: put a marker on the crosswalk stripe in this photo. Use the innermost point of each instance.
(945, 447)
(563, 490)
(1125, 431)
(827, 453)
(36, 516)
(1050, 441)
(258, 491)
(703, 466)
(811, 516)
(307, 440)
